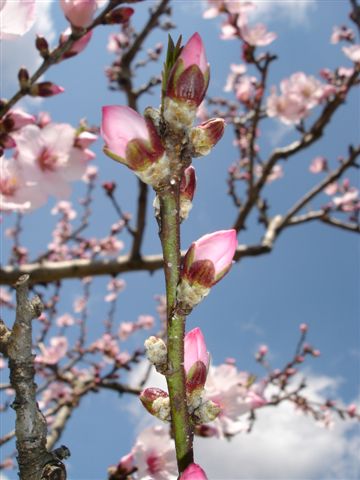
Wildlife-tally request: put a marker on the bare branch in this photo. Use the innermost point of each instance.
(30, 426)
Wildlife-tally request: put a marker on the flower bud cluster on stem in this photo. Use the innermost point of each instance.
(158, 147)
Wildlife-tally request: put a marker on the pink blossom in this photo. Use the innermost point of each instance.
(79, 304)
(126, 329)
(79, 12)
(76, 47)
(84, 139)
(331, 189)
(117, 41)
(57, 391)
(319, 164)
(16, 18)
(90, 174)
(256, 36)
(145, 321)
(48, 157)
(347, 201)
(195, 349)
(352, 52)
(341, 33)
(17, 192)
(351, 410)
(304, 327)
(234, 393)
(65, 320)
(235, 72)
(115, 286)
(193, 472)
(154, 455)
(65, 208)
(55, 352)
(108, 346)
(228, 31)
(16, 119)
(210, 258)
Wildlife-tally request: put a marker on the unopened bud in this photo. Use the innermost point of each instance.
(118, 16)
(303, 327)
(205, 136)
(187, 191)
(42, 46)
(156, 402)
(207, 412)
(45, 89)
(156, 352)
(109, 187)
(196, 377)
(24, 78)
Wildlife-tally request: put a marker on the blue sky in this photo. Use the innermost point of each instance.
(312, 275)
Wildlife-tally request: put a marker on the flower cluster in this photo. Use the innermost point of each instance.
(299, 94)
(48, 154)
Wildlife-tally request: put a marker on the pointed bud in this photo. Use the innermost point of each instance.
(77, 46)
(193, 472)
(196, 377)
(205, 136)
(118, 16)
(205, 263)
(42, 46)
(187, 191)
(156, 352)
(45, 89)
(186, 84)
(133, 140)
(195, 349)
(24, 77)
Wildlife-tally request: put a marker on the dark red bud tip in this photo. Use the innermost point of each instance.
(119, 15)
(23, 77)
(109, 187)
(42, 46)
(45, 89)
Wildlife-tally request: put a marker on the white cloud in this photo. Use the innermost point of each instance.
(22, 52)
(284, 444)
(297, 12)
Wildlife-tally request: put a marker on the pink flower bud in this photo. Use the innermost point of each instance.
(210, 258)
(303, 327)
(77, 46)
(196, 360)
(16, 119)
(45, 89)
(188, 183)
(351, 410)
(205, 136)
(187, 191)
(126, 464)
(79, 12)
(263, 350)
(189, 77)
(148, 397)
(132, 140)
(119, 15)
(193, 472)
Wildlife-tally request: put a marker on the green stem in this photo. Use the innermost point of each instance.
(175, 377)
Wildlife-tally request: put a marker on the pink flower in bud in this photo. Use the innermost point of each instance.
(205, 136)
(319, 164)
(210, 258)
(193, 472)
(351, 410)
(196, 359)
(189, 77)
(188, 183)
(132, 140)
(55, 352)
(79, 12)
(149, 396)
(45, 89)
(77, 46)
(316, 353)
(303, 327)
(263, 350)
(16, 18)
